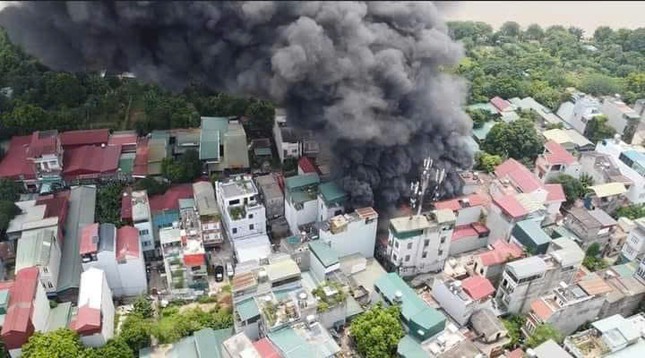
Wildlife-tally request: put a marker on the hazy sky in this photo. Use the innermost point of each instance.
(587, 15)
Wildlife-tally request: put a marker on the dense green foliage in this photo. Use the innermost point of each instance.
(135, 332)
(633, 211)
(108, 204)
(143, 307)
(173, 325)
(480, 117)
(597, 129)
(487, 162)
(377, 331)
(573, 188)
(543, 333)
(9, 190)
(34, 98)
(518, 139)
(8, 211)
(516, 62)
(184, 170)
(514, 325)
(151, 185)
(593, 258)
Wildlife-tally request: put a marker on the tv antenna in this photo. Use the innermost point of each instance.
(419, 188)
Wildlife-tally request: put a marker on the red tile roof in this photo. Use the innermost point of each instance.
(88, 321)
(480, 228)
(500, 103)
(18, 325)
(91, 160)
(170, 199)
(194, 260)
(42, 143)
(126, 207)
(556, 154)
(452, 204)
(502, 252)
(555, 193)
(463, 231)
(127, 242)
(477, 287)
(510, 205)
(519, 175)
(518, 353)
(306, 165)
(456, 204)
(265, 349)
(129, 139)
(84, 137)
(541, 309)
(15, 164)
(140, 167)
(89, 239)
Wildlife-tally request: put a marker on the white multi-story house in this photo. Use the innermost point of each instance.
(584, 109)
(621, 117)
(286, 140)
(208, 211)
(420, 243)
(460, 299)
(118, 253)
(331, 201)
(94, 320)
(630, 160)
(301, 205)
(555, 161)
(242, 213)
(634, 247)
(351, 233)
(39, 248)
(526, 279)
(142, 220)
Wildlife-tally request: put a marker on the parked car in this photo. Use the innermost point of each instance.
(219, 273)
(229, 270)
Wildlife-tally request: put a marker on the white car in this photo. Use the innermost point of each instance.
(229, 270)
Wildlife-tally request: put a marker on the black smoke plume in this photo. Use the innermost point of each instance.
(367, 77)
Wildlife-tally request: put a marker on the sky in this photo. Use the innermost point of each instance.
(587, 15)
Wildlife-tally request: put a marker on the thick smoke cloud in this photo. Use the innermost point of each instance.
(367, 78)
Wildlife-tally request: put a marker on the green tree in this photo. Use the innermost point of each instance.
(598, 84)
(633, 211)
(487, 162)
(135, 332)
(143, 307)
(510, 29)
(479, 117)
(513, 325)
(518, 139)
(543, 333)
(534, 32)
(61, 343)
(377, 331)
(115, 348)
(597, 129)
(8, 211)
(577, 32)
(108, 204)
(9, 190)
(603, 34)
(151, 185)
(573, 188)
(185, 170)
(261, 115)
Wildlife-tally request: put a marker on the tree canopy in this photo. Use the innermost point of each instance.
(9, 190)
(573, 188)
(633, 211)
(61, 343)
(543, 333)
(151, 185)
(487, 162)
(377, 331)
(518, 139)
(597, 129)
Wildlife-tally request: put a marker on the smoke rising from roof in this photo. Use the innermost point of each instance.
(365, 77)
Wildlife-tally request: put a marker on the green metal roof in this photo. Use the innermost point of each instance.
(247, 309)
(34, 248)
(300, 181)
(530, 234)
(185, 348)
(213, 129)
(409, 348)
(332, 193)
(262, 152)
(125, 165)
(325, 254)
(481, 132)
(625, 270)
(353, 307)
(208, 342)
(294, 345)
(414, 310)
(59, 316)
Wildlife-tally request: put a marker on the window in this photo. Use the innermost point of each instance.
(394, 258)
(145, 243)
(49, 285)
(440, 252)
(234, 230)
(45, 270)
(251, 217)
(426, 242)
(338, 212)
(409, 246)
(443, 239)
(424, 255)
(144, 232)
(396, 244)
(481, 271)
(298, 260)
(407, 258)
(251, 227)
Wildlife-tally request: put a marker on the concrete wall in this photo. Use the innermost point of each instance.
(468, 215)
(133, 277)
(459, 310)
(466, 244)
(568, 319)
(358, 237)
(41, 309)
(308, 214)
(49, 274)
(146, 235)
(106, 261)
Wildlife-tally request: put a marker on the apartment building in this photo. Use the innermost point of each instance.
(351, 233)
(242, 213)
(420, 243)
(526, 279)
(94, 317)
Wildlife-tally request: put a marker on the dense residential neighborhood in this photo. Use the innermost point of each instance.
(206, 225)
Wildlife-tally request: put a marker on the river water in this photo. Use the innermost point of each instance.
(587, 15)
